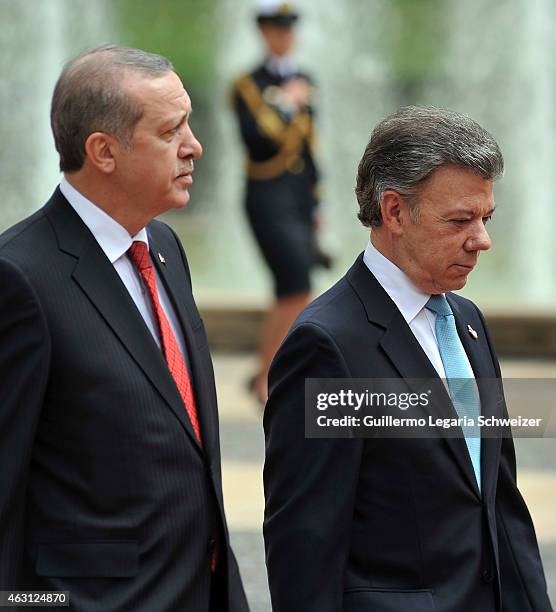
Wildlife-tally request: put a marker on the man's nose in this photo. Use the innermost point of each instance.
(190, 146)
(480, 239)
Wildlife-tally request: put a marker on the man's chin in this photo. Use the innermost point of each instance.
(182, 200)
(457, 283)
(454, 283)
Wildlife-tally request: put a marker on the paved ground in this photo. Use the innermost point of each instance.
(243, 452)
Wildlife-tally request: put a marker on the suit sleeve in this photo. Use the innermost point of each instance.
(523, 584)
(521, 572)
(310, 484)
(24, 362)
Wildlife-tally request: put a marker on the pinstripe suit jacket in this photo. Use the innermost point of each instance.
(105, 491)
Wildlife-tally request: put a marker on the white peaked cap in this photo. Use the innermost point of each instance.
(271, 8)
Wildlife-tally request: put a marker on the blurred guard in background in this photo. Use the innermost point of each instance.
(274, 108)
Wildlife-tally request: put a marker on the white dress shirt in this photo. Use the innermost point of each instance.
(115, 241)
(280, 66)
(410, 301)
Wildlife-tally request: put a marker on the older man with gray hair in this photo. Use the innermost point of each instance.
(428, 524)
(111, 489)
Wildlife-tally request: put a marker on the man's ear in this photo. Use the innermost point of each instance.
(393, 211)
(100, 148)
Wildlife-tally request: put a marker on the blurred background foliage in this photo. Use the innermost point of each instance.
(183, 30)
(415, 43)
(490, 59)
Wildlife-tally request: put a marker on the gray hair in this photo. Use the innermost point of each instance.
(406, 147)
(89, 97)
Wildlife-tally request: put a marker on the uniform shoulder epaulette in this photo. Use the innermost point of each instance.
(269, 121)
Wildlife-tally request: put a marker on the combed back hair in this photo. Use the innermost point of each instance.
(89, 97)
(406, 147)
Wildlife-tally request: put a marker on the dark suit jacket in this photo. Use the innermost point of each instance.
(388, 525)
(105, 491)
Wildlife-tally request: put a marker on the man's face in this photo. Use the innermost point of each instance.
(439, 249)
(279, 39)
(155, 172)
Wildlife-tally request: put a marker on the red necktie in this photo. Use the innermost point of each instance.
(139, 255)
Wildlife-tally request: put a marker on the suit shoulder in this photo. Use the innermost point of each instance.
(162, 236)
(24, 240)
(317, 339)
(22, 231)
(470, 313)
(332, 309)
(465, 304)
(460, 299)
(160, 229)
(164, 233)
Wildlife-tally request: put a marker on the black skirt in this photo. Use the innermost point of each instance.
(280, 214)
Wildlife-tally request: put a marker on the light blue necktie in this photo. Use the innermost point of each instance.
(461, 381)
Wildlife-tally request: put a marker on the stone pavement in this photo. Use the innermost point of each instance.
(243, 454)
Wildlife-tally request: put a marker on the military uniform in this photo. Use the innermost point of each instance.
(281, 190)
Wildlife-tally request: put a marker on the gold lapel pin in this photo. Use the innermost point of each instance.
(472, 332)
(162, 260)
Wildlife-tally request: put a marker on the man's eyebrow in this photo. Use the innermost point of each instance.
(471, 211)
(186, 114)
(176, 120)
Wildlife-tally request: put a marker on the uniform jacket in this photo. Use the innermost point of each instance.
(278, 143)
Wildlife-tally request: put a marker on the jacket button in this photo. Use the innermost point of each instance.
(487, 576)
(211, 545)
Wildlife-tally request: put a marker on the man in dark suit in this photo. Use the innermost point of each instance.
(111, 482)
(401, 524)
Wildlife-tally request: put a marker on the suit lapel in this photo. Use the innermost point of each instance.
(97, 278)
(407, 356)
(490, 390)
(412, 362)
(172, 274)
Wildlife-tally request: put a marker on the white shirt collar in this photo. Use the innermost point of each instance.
(408, 298)
(113, 239)
(280, 66)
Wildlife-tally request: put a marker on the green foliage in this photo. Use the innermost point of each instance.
(181, 30)
(418, 37)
